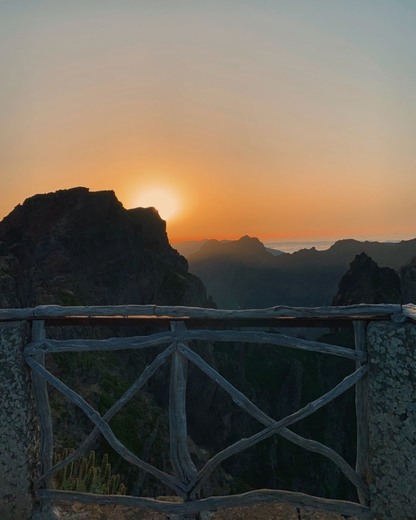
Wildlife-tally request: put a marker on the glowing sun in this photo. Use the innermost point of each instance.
(163, 199)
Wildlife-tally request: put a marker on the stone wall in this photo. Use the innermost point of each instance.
(392, 419)
(18, 425)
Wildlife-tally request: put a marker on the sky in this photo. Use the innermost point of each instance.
(281, 119)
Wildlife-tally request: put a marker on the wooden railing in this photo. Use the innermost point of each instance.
(186, 325)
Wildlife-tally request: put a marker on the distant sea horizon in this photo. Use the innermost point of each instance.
(290, 246)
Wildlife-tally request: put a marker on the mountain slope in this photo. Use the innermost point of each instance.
(366, 282)
(408, 278)
(237, 276)
(79, 247)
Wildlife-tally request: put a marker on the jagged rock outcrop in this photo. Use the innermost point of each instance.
(230, 270)
(408, 279)
(366, 282)
(76, 247)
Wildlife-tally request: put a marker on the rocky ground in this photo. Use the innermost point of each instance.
(256, 512)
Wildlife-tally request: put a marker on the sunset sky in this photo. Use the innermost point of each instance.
(273, 118)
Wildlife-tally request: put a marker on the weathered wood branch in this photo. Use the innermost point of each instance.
(360, 311)
(238, 397)
(40, 391)
(182, 463)
(317, 447)
(243, 444)
(104, 428)
(260, 496)
(50, 346)
(114, 409)
(362, 465)
(138, 342)
(248, 406)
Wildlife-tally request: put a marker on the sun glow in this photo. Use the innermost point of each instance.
(163, 199)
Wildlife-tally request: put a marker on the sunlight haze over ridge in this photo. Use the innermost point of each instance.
(276, 119)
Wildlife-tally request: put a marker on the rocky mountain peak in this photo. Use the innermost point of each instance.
(246, 250)
(80, 247)
(408, 277)
(366, 282)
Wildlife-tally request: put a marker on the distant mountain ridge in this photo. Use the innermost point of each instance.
(243, 274)
(191, 247)
(408, 281)
(246, 250)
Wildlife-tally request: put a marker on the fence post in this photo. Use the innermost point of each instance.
(180, 456)
(45, 510)
(19, 430)
(392, 419)
(361, 407)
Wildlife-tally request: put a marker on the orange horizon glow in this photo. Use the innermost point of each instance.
(197, 221)
(263, 119)
(357, 235)
(184, 219)
(163, 198)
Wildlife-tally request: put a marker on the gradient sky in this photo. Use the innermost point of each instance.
(273, 118)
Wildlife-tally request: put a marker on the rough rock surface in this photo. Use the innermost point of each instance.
(392, 419)
(18, 431)
(366, 282)
(76, 247)
(256, 512)
(408, 279)
(242, 274)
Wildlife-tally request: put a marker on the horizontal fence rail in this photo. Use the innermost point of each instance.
(139, 342)
(186, 480)
(349, 312)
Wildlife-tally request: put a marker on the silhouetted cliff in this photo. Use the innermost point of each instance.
(366, 282)
(408, 278)
(76, 247)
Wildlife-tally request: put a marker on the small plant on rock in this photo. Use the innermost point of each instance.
(86, 475)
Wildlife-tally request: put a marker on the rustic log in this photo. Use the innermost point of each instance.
(40, 391)
(50, 346)
(138, 342)
(317, 447)
(361, 410)
(181, 460)
(246, 405)
(114, 409)
(360, 311)
(260, 496)
(104, 428)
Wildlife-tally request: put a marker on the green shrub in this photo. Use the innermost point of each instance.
(86, 475)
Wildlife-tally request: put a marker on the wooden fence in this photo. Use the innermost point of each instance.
(186, 480)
